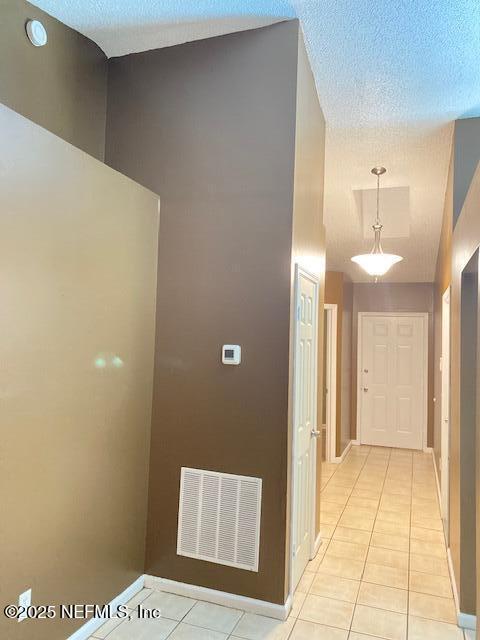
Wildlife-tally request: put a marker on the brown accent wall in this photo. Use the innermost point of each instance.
(466, 156)
(397, 297)
(78, 258)
(465, 241)
(211, 126)
(339, 291)
(61, 86)
(308, 233)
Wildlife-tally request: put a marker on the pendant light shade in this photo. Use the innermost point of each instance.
(376, 263)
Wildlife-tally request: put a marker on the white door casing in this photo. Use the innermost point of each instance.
(392, 379)
(304, 422)
(331, 382)
(445, 410)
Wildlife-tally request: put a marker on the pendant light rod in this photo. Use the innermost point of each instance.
(376, 263)
(377, 227)
(378, 171)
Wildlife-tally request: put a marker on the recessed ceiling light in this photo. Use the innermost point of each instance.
(36, 33)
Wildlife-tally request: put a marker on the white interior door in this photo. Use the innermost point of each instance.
(304, 422)
(392, 379)
(445, 411)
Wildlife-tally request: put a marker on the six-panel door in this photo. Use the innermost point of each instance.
(392, 380)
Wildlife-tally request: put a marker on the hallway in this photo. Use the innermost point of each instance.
(381, 571)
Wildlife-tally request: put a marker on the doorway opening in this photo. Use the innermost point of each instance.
(468, 425)
(392, 400)
(445, 413)
(305, 422)
(329, 420)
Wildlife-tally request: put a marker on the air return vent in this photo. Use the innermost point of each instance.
(219, 518)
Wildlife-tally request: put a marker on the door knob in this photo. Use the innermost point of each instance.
(315, 433)
(365, 389)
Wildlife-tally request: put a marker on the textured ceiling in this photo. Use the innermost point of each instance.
(126, 26)
(391, 79)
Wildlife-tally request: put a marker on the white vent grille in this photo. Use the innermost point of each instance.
(219, 518)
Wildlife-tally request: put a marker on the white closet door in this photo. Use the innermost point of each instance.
(305, 422)
(392, 381)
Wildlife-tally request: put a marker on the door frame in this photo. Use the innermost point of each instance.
(314, 542)
(331, 383)
(394, 314)
(445, 413)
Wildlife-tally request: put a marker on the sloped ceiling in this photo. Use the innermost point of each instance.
(391, 77)
(128, 26)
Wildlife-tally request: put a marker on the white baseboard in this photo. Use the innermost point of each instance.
(427, 450)
(317, 544)
(464, 620)
(467, 621)
(341, 458)
(92, 625)
(250, 605)
(355, 443)
(453, 581)
(437, 480)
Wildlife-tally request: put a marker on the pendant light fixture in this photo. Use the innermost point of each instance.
(376, 263)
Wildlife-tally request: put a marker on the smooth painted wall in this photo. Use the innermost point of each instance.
(211, 126)
(465, 242)
(456, 248)
(339, 291)
(414, 297)
(61, 86)
(443, 277)
(466, 159)
(308, 233)
(78, 260)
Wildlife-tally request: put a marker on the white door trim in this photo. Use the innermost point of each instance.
(445, 412)
(393, 314)
(331, 383)
(300, 271)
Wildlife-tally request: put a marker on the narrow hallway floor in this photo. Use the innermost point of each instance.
(381, 571)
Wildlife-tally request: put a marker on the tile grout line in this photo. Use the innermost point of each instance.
(336, 525)
(349, 495)
(328, 544)
(371, 535)
(335, 528)
(417, 476)
(410, 545)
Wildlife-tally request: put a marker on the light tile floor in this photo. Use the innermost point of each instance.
(381, 571)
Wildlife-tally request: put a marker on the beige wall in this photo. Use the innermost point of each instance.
(455, 250)
(211, 126)
(78, 247)
(465, 241)
(443, 276)
(399, 297)
(61, 86)
(339, 291)
(346, 384)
